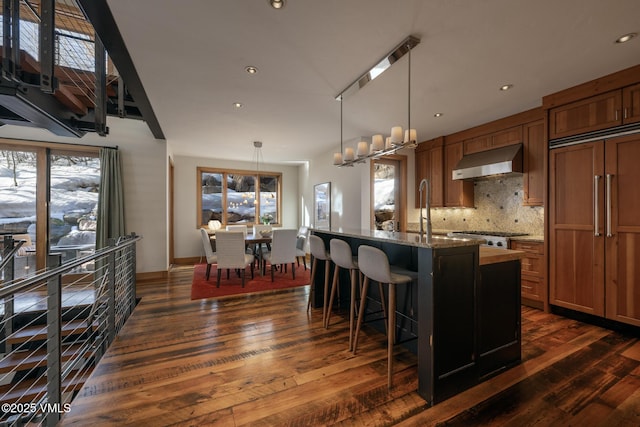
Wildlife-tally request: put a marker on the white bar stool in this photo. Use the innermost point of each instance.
(374, 265)
(342, 257)
(319, 252)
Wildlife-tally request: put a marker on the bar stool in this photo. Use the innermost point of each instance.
(319, 252)
(342, 256)
(374, 265)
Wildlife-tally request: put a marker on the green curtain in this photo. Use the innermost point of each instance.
(110, 221)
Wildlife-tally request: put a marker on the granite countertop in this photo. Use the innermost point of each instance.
(489, 255)
(401, 238)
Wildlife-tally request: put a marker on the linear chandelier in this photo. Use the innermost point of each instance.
(380, 147)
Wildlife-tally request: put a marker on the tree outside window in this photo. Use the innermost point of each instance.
(232, 197)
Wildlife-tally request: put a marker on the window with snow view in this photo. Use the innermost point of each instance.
(74, 179)
(238, 197)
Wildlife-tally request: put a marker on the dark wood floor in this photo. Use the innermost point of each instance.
(262, 360)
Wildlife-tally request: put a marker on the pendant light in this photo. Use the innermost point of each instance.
(337, 157)
(379, 147)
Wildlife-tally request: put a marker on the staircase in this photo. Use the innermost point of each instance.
(24, 370)
(46, 357)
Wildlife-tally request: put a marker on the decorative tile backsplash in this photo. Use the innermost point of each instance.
(499, 207)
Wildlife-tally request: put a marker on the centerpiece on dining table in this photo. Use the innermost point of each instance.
(266, 220)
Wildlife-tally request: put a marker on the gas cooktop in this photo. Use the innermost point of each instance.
(492, 233)
(499, 239)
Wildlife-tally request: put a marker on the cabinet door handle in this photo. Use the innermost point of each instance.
(596, 208)
(625, 113)
(616, 116)
(609, 176)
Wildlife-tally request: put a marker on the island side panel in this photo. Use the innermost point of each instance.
(447, 362)
(499, 317)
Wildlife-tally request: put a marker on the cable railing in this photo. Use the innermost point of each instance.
(55, 327)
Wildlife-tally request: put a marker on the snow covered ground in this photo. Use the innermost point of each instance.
(74, 194)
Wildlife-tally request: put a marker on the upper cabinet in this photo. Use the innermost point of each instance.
(535, 152)
(587, 115)
(502, 138)
(631, 104)
(429, 164)
(603, 103)
(459, 193)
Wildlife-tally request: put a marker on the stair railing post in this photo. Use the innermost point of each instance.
(132, 264)
(111, 294)
(9, 275)
(54, 341)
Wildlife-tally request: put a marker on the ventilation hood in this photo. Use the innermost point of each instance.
(499, 161)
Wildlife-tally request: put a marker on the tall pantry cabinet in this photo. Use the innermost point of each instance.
(594, 228)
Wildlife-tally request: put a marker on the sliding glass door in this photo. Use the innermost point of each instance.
(48, 198)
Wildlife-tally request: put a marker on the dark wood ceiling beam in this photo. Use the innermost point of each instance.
(100, 16)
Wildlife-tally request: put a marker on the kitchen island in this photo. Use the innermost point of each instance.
(461, 318)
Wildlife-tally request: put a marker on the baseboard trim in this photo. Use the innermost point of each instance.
(151, 275)
(188, 261)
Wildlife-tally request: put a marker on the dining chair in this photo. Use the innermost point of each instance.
(283, 251)
(301, 241)
(242, 228)
(208, 251)
(231, 253)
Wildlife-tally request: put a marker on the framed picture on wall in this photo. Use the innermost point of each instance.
(322, 205)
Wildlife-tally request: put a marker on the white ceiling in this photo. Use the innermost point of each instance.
(191, 55)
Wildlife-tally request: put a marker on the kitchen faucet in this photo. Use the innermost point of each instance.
(425, 184)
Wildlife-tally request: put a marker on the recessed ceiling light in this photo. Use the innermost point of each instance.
(626, 37)
(506, 87)
(237, 104)
(276, 4)
(251, 69)
(438, 114)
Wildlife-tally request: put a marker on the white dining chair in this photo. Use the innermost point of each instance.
(301, 243)
(231, 254)
(208, 251)
(283, 251)
(237, 227)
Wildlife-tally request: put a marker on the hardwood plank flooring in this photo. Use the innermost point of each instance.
(262, 360)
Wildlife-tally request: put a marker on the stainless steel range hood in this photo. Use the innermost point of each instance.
(499, 161)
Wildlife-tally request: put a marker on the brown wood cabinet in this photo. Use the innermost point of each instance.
(631, 104)
(457, 193)
(477, 144)
(535, 152)
(594, 228)
(591, 114)
(532, 281)
(429, 157)
(622, 229)
(502, 138)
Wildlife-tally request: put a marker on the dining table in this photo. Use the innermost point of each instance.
(253, 241)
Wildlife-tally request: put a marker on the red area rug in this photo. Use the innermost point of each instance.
(202, 288)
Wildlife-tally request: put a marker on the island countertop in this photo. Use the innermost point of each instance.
(489, 255)
(401, 238)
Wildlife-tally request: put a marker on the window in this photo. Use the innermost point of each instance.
(232, 197)
(73, 178)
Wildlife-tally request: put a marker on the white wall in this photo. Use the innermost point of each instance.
(187, 241)
(350, 191)
(144, 163)
(346, 191)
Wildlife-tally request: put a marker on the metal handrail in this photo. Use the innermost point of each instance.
(85, 328)
(46, 274)
(9, 256)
